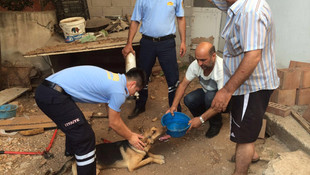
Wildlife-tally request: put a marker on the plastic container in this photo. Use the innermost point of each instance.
(130, 61)
(73, 28)
(7, 111)
(177, 125)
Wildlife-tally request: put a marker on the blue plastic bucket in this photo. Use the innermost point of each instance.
(177, 125)
(7, 111)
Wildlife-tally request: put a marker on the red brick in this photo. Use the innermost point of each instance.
(304, 77)
(289, 78)
(278, 109)
(303, 96)
(284, 96)
(294, 64)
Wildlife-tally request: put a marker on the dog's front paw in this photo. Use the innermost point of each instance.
(161, 157)
(161, 161)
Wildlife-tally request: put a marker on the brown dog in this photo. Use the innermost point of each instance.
(122, 155)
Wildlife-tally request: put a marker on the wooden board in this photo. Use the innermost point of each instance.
(10, 94)
(36, 121)
(57, 46)
(301, 121)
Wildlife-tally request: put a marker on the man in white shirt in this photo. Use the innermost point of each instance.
(208, 68)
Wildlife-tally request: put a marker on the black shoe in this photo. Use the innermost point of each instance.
(136, 112)
(213, 130)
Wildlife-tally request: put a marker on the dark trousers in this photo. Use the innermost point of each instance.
(199, 101)
(166, 53)
(80, 138)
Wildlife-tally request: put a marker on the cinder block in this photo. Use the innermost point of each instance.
(101, 3)
(127, 11)
(303, 96)
(278, 109)
(121, 3)
(95, 11)
(111, 11)
(284, 96)
(289, 78)
(294, 64)
(304, 77)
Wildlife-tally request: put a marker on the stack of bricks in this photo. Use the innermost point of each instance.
(294, 86)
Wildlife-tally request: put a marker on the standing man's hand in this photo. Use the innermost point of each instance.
(135, 141)
(182, 49)
(127, 49)
(221, 100)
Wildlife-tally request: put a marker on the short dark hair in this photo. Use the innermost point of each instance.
(138, 75)
(212, 51)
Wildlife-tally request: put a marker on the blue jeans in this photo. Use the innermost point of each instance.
(198, 102)
(166, 53)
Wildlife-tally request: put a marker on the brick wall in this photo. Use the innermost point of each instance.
(100, 8)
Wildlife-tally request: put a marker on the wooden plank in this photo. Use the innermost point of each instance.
(306, 115)
(301, 121)
(10, 94)
(32, 122)
(57, 45)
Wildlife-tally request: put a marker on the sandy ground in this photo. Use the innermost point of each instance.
(191, 154)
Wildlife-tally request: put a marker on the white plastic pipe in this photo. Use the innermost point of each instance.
(130, 61)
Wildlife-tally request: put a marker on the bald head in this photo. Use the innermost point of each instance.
(204, 49)
(205, 55)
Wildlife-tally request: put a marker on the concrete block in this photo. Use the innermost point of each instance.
(289, 131)
(278, 109)
(121, 3)
(304, 77)
(188, 3)
(303, 96)
(294, 64)
(127, 10)
(101, 3)
(289, 78)
(284, 96)
(95, 11)
(111, 11)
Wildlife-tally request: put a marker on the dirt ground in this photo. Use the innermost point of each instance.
(189, 155)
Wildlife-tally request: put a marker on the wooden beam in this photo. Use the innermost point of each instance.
(301, 121)
(10, 94)
(31, 122)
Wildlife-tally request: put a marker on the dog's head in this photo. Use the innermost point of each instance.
(153, 134)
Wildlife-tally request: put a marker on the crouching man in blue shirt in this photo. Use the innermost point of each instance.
(57, 95)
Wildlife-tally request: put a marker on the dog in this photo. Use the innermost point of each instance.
(122, 154)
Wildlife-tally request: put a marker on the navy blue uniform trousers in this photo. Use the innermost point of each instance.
(80, 138)
(166, 53)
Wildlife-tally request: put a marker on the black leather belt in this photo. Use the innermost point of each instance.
(159, 38)
(54, 86)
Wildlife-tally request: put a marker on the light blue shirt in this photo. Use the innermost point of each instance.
(157, 16)
(91, 84)
(249, 26)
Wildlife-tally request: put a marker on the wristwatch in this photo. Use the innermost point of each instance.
(201, 119)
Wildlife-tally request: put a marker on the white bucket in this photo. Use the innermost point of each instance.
(73, 28)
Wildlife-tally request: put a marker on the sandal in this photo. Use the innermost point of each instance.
(233, 159)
